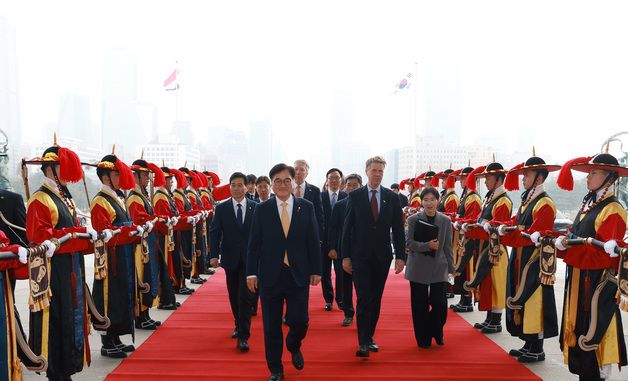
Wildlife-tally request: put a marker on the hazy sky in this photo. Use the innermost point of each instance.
(559, 70)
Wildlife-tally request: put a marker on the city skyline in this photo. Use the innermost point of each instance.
(470, 87)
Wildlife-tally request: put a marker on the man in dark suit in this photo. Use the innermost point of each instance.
(283, 260)
(251, 193)
(334, 229)
(302, 189)
(329, 198)
(228, 237)
(403, 199)
(14, 211)
(371, 214)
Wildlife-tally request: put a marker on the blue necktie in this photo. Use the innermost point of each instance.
(239, 215)
(333, 199)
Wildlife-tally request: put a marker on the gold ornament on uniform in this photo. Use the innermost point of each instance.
(100, 260)
(494, 247)
(39, 277)
(547, 271)
(622, 281)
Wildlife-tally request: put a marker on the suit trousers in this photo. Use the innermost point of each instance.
(240, 299)
(369, 278)
(429, 310)
(326, 283)
(296, 299)
(347, 294)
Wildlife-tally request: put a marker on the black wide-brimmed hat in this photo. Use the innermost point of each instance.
(602, 161)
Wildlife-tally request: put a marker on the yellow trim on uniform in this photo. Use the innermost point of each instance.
(499, 272)
(533, 315)
(609, 210)
(570, 304)
(454, 196)
(45, 325)
(543, 202)
(158, 197)
(47, 201)
(100, 200)
(471, 199)
(502, 201)
(179, 195)
(134, 198)
(608, 351)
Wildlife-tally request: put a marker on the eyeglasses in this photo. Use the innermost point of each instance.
(286, 181)
(334, 178)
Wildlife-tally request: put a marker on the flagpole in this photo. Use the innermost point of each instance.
(176, 93)
(416, 76)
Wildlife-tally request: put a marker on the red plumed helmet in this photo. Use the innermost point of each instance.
(197, 182)
(511, 182)
(451, 179)
(70, 166)
(182, 181)
(215, 179)
(127, 181)
(222, 192)
(160, 177)
(434, 180)
(470, 183)
(402, 184)
(565, 177)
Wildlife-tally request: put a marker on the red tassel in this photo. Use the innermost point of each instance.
(435, 179)
(451, 180)
(127, 181)
(160, 177)
(222, 192)
(470, 183)
(565, 177)
(402, 184)
(197, 182)
(182, 181)
(512, 180)
(215, 179)
(70, 166)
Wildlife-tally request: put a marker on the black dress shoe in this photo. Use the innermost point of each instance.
(347, 321)
(529, 357)
(424, 346)
(275, 377)
(297, 360)
(328, 306)
(450, 295)
(112, 352)
(170, 307)
(196, 281)
(439, 341)
(373, 347)
(177, 304)
(125, 348)
(145, 324)
(363, 351)
(234, 334)
(340, 305)
(242, 345)
(518, 352)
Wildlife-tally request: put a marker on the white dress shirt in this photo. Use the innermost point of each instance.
(235, 207)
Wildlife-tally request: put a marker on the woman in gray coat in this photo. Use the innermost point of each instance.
(429, 269)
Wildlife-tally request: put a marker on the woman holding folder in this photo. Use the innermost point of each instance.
(429, 242)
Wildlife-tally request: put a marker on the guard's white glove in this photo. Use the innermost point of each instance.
(50, 248)
(174, 220)
(197, 219)
(535, 238)
(558, 244)
(501, 230)
(149, 226)
(191, 220)
(93, 235)
(107, 235)
(609, 248)
(457, 225)
(487, 227)
(464, 228)
(140, 230)
(22, 254)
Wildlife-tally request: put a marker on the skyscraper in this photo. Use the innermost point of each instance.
(9, 96)
(119, 101)
(260, 150)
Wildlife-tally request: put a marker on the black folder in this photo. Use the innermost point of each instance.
(425, 232)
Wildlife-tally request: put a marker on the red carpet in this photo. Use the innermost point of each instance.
(195, 344)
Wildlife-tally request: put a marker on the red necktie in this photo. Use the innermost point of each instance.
(374, 209)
